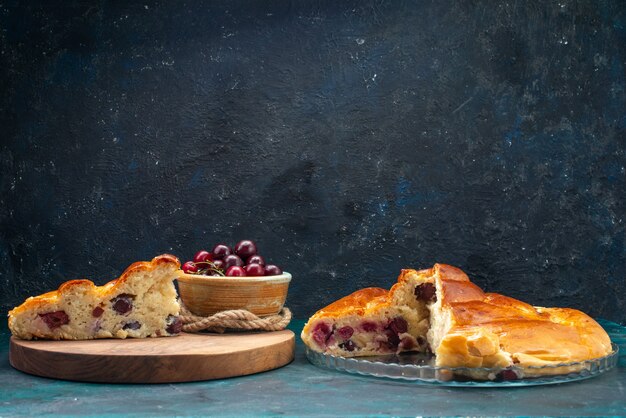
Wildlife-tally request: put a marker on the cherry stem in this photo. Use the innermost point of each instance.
(210, 266)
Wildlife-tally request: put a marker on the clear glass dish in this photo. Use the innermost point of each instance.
(420, 368)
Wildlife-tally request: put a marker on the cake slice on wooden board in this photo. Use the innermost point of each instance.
(141, 303)
(462, 325)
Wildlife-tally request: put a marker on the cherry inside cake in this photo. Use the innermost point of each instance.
(373, 321)
(439, 310)
(142, 302)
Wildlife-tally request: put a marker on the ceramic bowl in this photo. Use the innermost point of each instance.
(207, 295)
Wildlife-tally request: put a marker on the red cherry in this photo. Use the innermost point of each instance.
(232, 260)
(255, 270)
(235, 271)
(202, 256)
(189, 267)
(256, 259)
(245, 248)
(220, 251)
(217, 265)
(55, 319)
(272, 270)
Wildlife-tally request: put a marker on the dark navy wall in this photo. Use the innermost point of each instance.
(350, 139)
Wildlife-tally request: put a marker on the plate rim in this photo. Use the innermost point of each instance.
(605, 364)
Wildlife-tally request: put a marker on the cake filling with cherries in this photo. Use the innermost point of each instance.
(374, 321)
(141, 303)
(439, 310)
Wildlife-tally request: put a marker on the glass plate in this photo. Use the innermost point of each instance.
(420, 368)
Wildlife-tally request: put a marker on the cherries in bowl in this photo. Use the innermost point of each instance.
(221, 258)
(224, 277)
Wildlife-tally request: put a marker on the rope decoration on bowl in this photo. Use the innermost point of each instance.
(237, 320)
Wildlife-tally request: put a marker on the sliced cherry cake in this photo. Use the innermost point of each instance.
(375, 321)
(441, 311)
(142, 302)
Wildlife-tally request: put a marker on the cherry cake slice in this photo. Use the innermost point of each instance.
(373, 321)
(142, 302)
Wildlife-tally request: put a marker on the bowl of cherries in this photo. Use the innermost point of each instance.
(227, 278)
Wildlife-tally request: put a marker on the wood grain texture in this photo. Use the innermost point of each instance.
(208, 295)
(185, 358)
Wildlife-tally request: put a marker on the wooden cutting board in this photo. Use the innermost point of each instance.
(184, 358)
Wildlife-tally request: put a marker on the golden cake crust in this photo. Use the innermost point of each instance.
(483, 324)
(141, 303)
(481, 329)
(364, 301)
(41, 301)
(359, 303)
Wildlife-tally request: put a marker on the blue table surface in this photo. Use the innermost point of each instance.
(302, 389)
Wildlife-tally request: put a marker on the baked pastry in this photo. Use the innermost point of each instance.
(368, 322)
(142, 302)
(453, 318)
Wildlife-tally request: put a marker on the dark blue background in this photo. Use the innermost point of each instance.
(350, 139)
